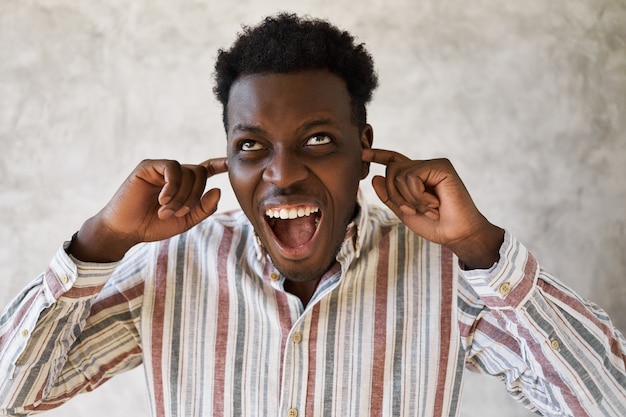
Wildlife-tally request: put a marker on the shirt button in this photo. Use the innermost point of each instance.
(24, 333)
(297, 337)
(65, 279)
(555, 344)
(292, 412)
(504, 289)
(274, 276)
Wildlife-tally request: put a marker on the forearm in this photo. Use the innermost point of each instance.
(482, 250)
(95, 242)
(40, 363)
(554, 348)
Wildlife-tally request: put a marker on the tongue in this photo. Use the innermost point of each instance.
(295, 232)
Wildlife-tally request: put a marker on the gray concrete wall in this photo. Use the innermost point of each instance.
(528, 99)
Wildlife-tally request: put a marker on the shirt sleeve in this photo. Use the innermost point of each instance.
(556, 352)
(68, 331)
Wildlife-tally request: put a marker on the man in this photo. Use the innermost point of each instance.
(308, 302)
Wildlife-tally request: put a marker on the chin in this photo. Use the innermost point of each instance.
(302, 273)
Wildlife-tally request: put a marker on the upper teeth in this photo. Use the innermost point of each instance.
(290, 213)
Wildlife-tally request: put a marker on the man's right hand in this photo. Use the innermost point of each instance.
(160, 199)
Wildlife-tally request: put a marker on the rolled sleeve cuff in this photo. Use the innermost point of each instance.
(68, 277)
(509, 283)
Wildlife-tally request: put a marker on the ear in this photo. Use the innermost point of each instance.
(367, 138)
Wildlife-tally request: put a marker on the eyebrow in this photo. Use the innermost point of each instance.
(240, 127)
(244, 128)
(317, 122)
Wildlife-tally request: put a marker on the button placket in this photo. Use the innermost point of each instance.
(296, 351)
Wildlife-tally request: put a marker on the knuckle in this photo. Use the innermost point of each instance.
(201, 170)
(145, 164)
(172, 164)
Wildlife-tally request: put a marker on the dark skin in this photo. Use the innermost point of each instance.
(292, 144)
(158, 200)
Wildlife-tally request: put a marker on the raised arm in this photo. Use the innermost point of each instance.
(160, 199)
(430, 198)
(557, 353)
(74, 326)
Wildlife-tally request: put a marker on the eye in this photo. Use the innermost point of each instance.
(320, 139)
(250, 145)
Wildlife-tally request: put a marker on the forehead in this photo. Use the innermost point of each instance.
(272, 100)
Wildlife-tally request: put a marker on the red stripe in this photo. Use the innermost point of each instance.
(221, 336)
(86, 386)
(99, 377)
(310, 391)
(550, 374)
(117, 299)
(522, 289)
(82, 292)
(500, 337)
(17, 318)
(380, 327)
(445, 329)
(158, 319)
(575, 304)
(519, 292)
(56, 288)
(284, 319)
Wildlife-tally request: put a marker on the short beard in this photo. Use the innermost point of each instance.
(308, 275)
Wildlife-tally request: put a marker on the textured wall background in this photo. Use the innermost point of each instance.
(528, 99)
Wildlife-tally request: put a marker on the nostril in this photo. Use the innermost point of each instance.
(285, 171)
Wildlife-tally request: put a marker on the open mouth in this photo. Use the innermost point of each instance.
(293, 226)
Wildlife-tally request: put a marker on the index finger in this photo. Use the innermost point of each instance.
(382, 156)
(215, 166)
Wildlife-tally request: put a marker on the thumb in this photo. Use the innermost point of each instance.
(380, 187)
(207, 206)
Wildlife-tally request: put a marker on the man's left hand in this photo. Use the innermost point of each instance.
(430, 198)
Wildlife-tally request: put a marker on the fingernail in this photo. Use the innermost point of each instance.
(182, 211)
(165, 213)
(406, 209)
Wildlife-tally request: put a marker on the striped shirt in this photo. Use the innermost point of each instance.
(390, 330)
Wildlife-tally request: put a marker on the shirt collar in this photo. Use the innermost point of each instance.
(355, 234)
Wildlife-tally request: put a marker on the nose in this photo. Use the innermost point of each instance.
(285, 169)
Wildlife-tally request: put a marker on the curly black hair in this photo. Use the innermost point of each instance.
(287, 43)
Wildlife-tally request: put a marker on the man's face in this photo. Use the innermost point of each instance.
(294, 158)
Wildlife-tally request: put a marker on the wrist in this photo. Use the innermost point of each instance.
(482, 249)
(95, 242)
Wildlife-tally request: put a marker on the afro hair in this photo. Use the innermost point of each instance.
(287, 43)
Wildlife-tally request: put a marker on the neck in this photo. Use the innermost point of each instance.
(303, 290)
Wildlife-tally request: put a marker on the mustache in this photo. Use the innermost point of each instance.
(286, 192)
